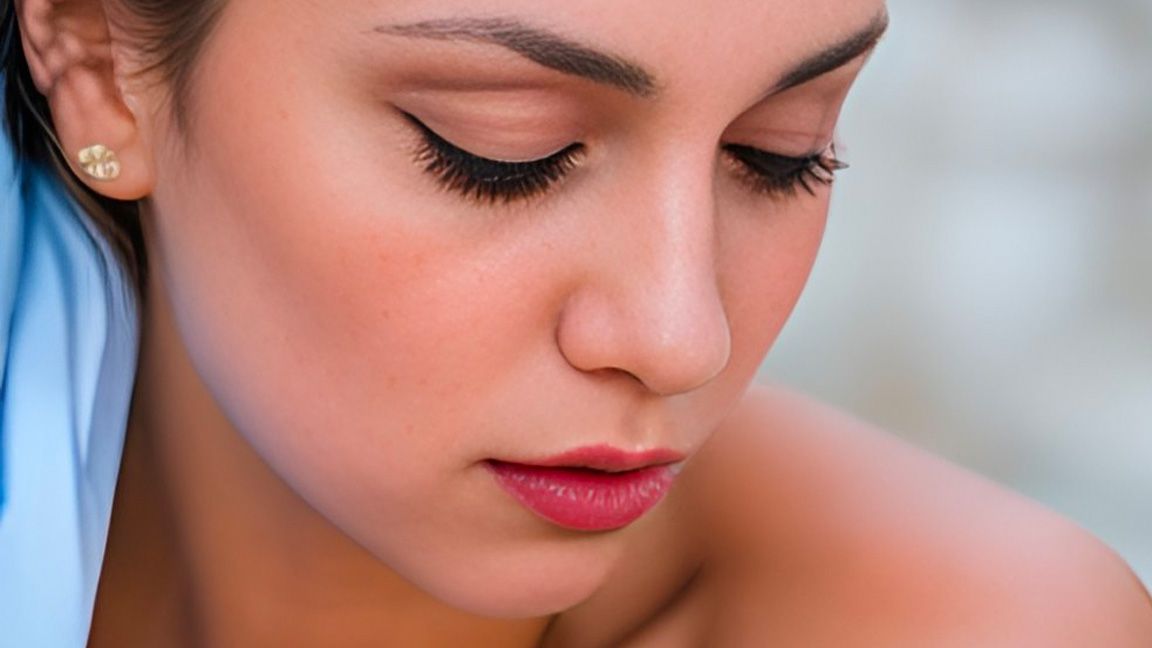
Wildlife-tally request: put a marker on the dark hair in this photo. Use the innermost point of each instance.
(169, 34)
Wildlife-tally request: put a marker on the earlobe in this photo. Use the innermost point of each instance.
(69, 51)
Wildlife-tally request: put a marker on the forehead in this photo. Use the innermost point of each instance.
(675, 39)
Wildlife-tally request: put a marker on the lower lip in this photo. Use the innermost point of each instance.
(584, 500)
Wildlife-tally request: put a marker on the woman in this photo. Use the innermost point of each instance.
(447, 317)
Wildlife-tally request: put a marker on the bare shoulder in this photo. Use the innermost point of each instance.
(828, 531)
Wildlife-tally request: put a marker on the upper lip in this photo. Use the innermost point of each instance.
(608, 458)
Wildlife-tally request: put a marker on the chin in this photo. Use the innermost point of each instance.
(517, 582)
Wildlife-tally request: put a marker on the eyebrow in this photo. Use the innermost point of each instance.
(836, 56)
(559, 53)
(538, 45)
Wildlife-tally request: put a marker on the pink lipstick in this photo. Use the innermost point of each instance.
(596, 488)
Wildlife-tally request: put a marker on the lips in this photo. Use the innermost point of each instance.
(597, 488)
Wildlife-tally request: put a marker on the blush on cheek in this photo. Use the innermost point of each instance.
(763, 272)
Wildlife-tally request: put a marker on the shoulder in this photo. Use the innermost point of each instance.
(827, 530)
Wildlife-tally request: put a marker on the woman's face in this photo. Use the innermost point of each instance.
(379, 315)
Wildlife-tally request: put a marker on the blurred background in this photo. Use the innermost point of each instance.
(985, 288)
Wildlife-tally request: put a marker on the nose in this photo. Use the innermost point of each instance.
(649, 304)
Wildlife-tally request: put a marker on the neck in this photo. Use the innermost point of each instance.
(226, 553)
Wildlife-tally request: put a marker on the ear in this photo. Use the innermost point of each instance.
(75, 64)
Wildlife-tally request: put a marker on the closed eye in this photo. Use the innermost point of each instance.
(781, 175)
(486, 180)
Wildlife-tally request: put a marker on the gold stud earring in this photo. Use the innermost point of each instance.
(99, 162)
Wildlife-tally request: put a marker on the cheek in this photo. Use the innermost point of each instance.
(309, 310)
(763, 269)
(308, 299)
(371, 358)
(328, 323)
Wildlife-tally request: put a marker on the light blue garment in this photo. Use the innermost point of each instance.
(68, 345)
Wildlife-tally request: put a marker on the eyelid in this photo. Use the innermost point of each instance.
(793, 172)
(485, 180)
(429, 133)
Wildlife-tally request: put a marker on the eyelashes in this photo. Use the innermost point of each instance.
(781, 175)
(486, 180)
(489, 181)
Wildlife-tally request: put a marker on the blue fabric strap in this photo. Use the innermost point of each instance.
(69, 336)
